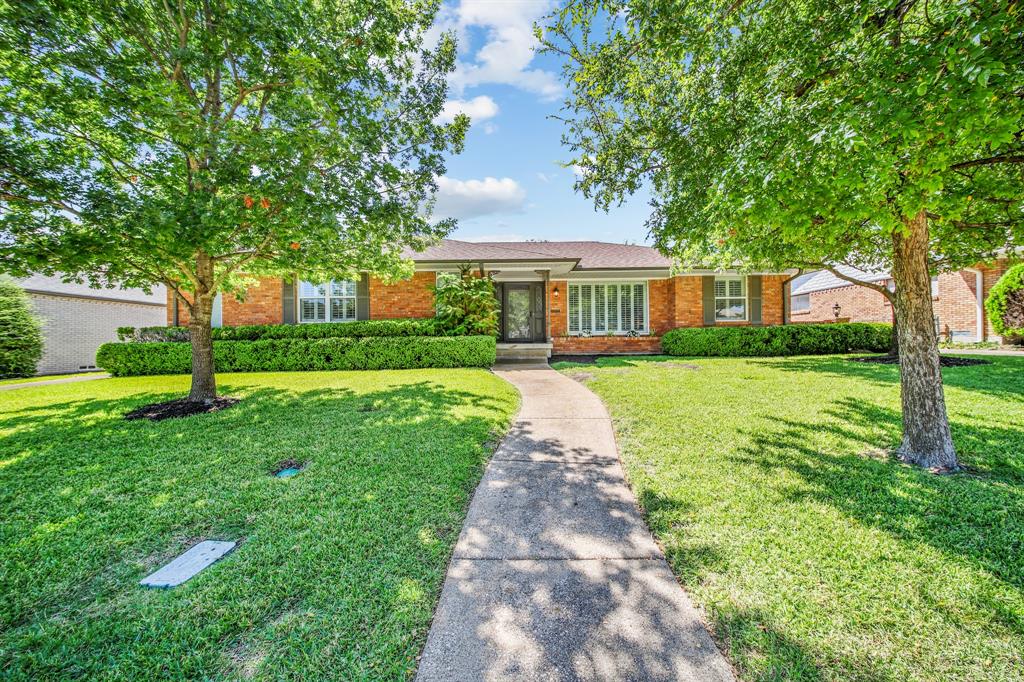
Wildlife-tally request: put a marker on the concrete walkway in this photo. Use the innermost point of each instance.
(50, 382)
(555, 576)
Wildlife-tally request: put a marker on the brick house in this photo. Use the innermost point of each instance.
(958, 299)
(77, 319)
(561, 297)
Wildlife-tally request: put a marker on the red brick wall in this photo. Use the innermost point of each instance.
(263, 304)
(771, 298)
(687, 301)
(957, 303)
(406, 298)
(859, 304)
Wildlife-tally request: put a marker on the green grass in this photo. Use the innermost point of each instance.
(816, 555)
(45, 377)
(337, 570)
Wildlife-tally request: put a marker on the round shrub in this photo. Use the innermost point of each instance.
(21, 337)
(1005, 303)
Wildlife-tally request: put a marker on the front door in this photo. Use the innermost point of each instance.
(523, 312)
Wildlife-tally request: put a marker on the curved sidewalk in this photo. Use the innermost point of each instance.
(555, 576)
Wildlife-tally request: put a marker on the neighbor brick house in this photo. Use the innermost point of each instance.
(565, 297)
(957, 297)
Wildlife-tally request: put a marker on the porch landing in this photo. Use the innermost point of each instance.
(523, 352)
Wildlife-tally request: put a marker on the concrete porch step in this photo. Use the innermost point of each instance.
(524, 352)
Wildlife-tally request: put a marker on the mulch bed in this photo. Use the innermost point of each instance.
(182, 407)
(944, 360)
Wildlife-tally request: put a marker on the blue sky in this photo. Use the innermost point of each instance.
(508, 184)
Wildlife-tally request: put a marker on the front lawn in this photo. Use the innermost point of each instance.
(337, 570)
(816, 555)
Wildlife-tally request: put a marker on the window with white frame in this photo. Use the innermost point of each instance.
(608, 308)
(329, 302)
(730, 299)
(801, 303)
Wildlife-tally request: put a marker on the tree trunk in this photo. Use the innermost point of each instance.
(894, 347)
(926, 438)
(204, 385)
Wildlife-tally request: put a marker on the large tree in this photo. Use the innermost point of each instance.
(197, 142)
(874, 133)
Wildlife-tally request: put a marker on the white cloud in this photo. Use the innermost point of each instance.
(508, 49)
(465, 199)
(490, 128)
(478, 109)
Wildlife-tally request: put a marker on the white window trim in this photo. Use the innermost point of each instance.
(800, 310)
(746, 298)
(299, 298)
(609, 282)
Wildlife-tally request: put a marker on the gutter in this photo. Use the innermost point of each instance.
(979, 316)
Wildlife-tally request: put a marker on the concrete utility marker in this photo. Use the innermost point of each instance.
(555, 576)
(188, 564)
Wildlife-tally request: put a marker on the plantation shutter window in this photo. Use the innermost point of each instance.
(332, 301)
(608, 308)
(730, 299)
(574, 309)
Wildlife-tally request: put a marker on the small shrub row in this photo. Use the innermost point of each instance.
(259, 332)
(302, 355)
(790, 339)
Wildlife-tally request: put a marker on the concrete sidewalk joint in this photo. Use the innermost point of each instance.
(555, 575)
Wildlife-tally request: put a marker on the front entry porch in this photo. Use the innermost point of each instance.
(523, 329)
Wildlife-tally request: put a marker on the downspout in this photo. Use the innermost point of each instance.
(979, 313)
(786, 296)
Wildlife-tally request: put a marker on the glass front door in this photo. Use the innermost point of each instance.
(518, 312)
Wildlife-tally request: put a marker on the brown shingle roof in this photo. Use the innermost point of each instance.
(590, 255)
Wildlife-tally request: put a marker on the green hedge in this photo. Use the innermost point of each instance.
(258, 332)
(302, 355)
(790, 339)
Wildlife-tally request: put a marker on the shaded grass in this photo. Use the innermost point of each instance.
(818, 556)
(337, 570)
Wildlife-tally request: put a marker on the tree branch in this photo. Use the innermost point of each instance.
(992, 160)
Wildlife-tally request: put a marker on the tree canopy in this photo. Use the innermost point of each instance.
(191, 141)
(802, 131)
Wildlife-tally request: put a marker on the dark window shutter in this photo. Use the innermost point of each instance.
(754, 295)
(709, 300)
(288, 300)
(363, 297)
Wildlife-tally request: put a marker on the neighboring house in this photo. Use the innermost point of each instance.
(77, 319)
(958, 299)
(565, 297)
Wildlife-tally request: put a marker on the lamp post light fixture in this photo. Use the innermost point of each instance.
(554, 292)
(836, 309)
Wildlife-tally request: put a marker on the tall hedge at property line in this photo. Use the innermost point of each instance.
(323, 330)
(21, 337)
(302, 355)
(1005, 303)
(791, 339)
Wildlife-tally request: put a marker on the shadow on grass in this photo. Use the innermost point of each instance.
(973, 517)
(92, 502)
(1004, 377)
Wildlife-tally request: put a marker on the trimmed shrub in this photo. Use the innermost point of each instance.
(258, 332)
(302, 355)
(1005, 303)
(790, 339)
(21, 337)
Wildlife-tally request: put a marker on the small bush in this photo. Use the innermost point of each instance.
(21, 337)
(258, 332)
(302, 355)
(1005, 303)
(790, 339)
(466, 305)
